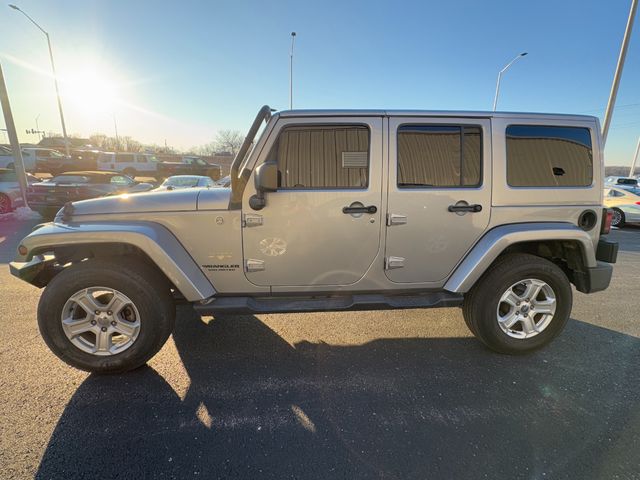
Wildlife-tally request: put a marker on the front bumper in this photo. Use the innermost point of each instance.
(38, 271)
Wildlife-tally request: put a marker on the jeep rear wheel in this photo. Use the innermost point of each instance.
(106, 315)
(519, 305)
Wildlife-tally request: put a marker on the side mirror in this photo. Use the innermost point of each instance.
(266, 180)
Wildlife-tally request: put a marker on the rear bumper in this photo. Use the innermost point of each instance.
(607, 251)
(598, 278)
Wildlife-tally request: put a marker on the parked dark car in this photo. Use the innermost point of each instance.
(49, 196)
(188, 166)
(10, 195)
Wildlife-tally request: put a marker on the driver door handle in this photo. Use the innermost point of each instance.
(465, 208)
(350, 210)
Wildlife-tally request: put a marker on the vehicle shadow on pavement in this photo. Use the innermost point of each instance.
(258, 407)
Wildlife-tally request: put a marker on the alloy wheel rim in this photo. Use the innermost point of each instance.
(526, 308)
(100, 321)
(4, 204)
(615, 219)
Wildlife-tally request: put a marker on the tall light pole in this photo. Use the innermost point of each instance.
(13, 138)
(635, 159)
(616, 77)
(506, 67)
(293, 39)
(55, 77)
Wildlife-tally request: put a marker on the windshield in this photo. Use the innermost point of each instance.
(181, 182)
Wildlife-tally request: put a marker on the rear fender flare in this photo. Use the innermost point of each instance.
(494, 242)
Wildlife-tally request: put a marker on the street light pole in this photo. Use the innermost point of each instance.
(495, 99)
(13, 138)
(616, 77)
(55, 77)
(635, 159)
(293, 38)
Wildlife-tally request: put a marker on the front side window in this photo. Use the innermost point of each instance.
(313, 157)
(549, 156)
(442, 156)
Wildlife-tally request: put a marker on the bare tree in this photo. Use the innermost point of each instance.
(228, 141)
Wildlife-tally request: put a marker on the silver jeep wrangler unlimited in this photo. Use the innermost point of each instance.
(339, 210)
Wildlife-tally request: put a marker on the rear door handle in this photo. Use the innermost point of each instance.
(465, 208)
(350, 210)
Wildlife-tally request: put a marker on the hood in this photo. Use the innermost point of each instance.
(164, 201)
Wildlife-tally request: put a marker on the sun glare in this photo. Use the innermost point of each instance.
(91, 91)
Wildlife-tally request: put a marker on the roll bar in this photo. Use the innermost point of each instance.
(263, 115)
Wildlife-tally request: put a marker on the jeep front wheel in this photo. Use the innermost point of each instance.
(106, 316)
(519, 305)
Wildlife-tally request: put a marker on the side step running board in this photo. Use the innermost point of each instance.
(332, 303)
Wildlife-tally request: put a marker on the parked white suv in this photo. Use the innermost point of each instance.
(131, 164)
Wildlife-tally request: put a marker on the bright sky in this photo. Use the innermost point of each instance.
(181, 70)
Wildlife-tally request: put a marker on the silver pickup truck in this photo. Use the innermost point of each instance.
(498, 213)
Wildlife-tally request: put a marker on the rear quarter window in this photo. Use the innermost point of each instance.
(549, 156)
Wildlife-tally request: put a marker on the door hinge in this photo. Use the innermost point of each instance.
(253, 265)
(396, 219)
(393, 262)
(251, 220)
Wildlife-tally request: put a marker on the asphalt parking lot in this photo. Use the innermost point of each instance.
(405, 394)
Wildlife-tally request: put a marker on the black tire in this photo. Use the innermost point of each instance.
(141, 283)
(481, 303)
(618, 221)
(5, 204)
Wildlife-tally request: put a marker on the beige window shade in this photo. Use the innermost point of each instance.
(312, 157)
(439, 156)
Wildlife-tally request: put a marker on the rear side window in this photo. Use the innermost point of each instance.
(322, 157)
(439, 156)
(548, 156)
(124, 158)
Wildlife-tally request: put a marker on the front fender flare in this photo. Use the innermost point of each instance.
(162, 247)
(494, 242)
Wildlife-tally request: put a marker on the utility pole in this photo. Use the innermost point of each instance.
(13, 138)
(38, 127)
(293, 38)
(115, 126)
(616, 77)
(635, 159)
